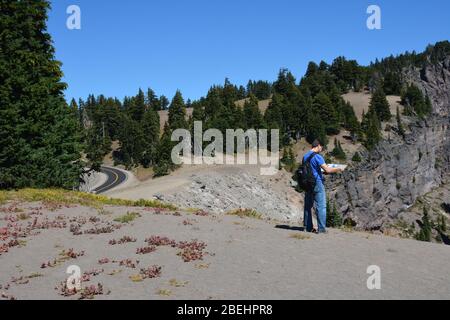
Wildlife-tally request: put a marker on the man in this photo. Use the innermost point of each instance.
(318, 195)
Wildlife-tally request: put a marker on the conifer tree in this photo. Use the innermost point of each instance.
(152, 101)
(334, 218)
(315, 128)
(177, 113)
(380, 105)
(40, 145)
(425, 228)
(137, 106)
(151, 133)
(351, 122)
(274, 116)
(163, 103)
(252, 115)
(356, 157)
(338, 152)
(163, 158)
(442, 224)
(373, 130)
(132, 143)
(415, 102)
(324, 107)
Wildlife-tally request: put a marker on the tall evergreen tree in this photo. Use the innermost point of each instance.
(39, 140)
(177, 113)
(414, 101)
(373, 130)
(252, 115)
(274, 116)
(425, 228)
(163, 103)
(324, 107)
(151, 132)
(334, 218)
(338, 152)
(132, 142)
(97, 145)
(315, 128)
(380, 105)
(137, 106)
(351, 122)
(152, 101)
(163, 158)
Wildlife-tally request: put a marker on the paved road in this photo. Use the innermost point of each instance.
(115, 178)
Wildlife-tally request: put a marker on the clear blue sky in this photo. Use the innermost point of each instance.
(192, 44)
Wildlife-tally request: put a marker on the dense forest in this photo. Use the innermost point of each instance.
(312, 108)
(46, 142)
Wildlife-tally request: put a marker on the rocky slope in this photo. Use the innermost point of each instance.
(376, 191)
(221, 191)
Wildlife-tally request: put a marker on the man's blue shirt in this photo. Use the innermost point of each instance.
(316, 163)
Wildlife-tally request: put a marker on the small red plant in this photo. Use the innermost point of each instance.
(146, 250)
(160, 241)
(150, 273)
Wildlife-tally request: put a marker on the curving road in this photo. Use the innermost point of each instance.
(115, 178)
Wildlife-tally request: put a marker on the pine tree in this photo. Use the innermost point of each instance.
(97, 145)
(151, 133)
(177, 113)
(137, 106)
(373, 130)
(442, 224)
(351, 122)
(392, 84)
(198, 113)
(252, 115)
(324, 107)
(338, 152)
(425, 228)
(380, 104)
(357, 157)
(152, 101)
(315, 128)
(163, 158)
(415, 102)
(132, 143)
(274, 116)
(288, 159)
(334, 218)
(40, 145)
(163, 103)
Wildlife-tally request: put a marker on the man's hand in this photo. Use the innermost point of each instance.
(329, 170)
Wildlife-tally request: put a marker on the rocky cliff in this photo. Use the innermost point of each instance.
(392, 177)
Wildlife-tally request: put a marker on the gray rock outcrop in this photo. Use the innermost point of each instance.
(392, 177)
(220, 193)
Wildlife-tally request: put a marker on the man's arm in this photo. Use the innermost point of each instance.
(329, 170)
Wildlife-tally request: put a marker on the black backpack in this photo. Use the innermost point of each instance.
(305, 176)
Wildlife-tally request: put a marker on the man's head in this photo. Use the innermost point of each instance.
(317, 146)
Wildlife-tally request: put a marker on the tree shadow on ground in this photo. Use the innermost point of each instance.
(445, 238)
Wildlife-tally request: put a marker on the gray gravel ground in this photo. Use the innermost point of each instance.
(244, 259)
